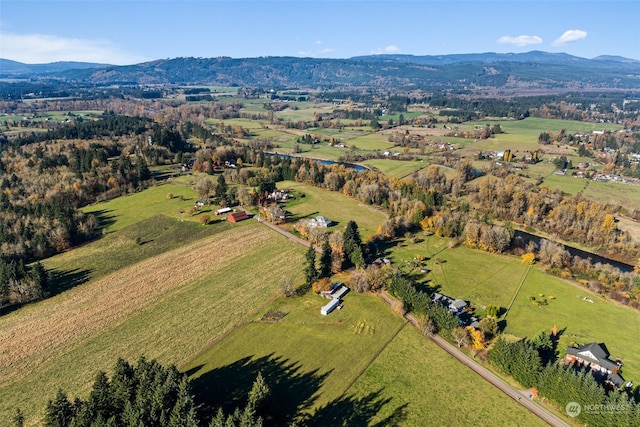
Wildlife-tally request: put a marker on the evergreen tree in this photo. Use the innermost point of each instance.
(310, 271)
(325, 260)
(59, 412)
(221, 187)
(352, 244)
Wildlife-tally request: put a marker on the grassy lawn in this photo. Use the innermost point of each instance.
(373, 141)
(533, 126)
(335, 206)
(614, 193)
(479, 277)
(308, 359)
(127, 210)
(167, 307)
(566, 183)
(600, 320)
(396, 168)
(423, 385)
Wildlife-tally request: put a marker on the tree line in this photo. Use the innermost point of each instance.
(533, 363)
(146, 394)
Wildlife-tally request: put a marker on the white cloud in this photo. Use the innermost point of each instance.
(41, 48)
(315, 54)
(389, 49)
(318, 42)
(523, 40)
(570, 36)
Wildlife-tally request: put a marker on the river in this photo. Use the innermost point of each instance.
(354, 166)
(594, 258)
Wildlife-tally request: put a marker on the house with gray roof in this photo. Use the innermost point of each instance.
(595, 357)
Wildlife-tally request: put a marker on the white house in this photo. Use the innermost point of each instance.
(319, 221)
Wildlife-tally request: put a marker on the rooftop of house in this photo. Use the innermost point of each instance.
(593, 353)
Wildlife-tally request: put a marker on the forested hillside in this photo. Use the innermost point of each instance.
(502, 72)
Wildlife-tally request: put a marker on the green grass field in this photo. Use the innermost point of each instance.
(522, 135)
(335, 206)
(371, 142)
(423, 385)
(396, 168)
(614, 193)
(483, 279)
(460, 272)
(566, 183)
(127, 210)
(308, 359)
(533, 126)
(601, 321)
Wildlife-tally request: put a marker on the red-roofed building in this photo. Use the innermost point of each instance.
(237, 216)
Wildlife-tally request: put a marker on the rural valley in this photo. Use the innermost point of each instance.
(381, 240)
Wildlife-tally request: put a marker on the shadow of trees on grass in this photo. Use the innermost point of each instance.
(63, 280)
(293, 393)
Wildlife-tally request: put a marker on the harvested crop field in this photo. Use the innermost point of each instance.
(168, 307)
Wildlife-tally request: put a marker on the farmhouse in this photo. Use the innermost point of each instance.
(456, 306)
(595, 357)
(237, 216)
(319, 221)
(335, 294)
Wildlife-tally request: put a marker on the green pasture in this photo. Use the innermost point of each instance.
(372, 142)
(533, 126)
(253, 106)
(423, 385)
(489, 279)
(566, 183)
(248, 124)
(541, 169)
(602, 321)
(126, 210)
(299, 114)
(228, 287)
(460, 272)
(318, 151)
(273, 134)
(344, 135)
(333, 205)
(522, 135)
(396, 168)
(614, 193)
(309, 360)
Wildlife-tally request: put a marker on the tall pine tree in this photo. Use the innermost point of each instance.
(352, 245)
(325, 260)
(310, 271)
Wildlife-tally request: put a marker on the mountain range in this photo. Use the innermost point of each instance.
(503, 72)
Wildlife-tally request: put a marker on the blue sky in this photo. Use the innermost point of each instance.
(132, 31)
